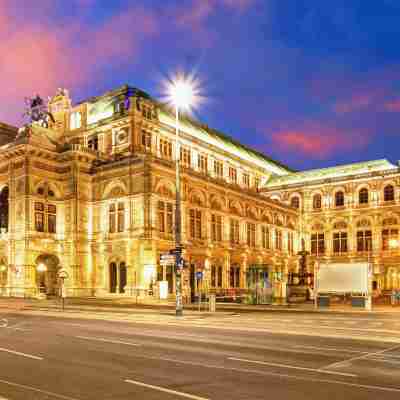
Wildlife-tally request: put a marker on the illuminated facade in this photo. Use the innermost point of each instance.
(94, 194)
(349, 213)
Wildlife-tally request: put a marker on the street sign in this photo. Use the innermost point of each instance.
(199, 275)
(167, 259)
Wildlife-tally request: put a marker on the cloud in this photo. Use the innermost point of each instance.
(317, 141)
(355, 103)
(42, 57)
(392, 106)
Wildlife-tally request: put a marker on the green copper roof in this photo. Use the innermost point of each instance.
(331, 172)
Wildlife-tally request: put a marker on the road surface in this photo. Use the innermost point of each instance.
(146, 356)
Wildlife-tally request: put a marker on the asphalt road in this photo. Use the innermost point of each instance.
(43, 356)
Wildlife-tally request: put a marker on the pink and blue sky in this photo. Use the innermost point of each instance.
(311, 83)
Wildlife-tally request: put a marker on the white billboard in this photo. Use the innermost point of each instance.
(343, 278)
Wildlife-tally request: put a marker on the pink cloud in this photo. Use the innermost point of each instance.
(355, 103)
(317, 141)
(42, 57)
(393, 106)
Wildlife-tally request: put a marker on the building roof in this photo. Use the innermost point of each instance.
(7, 133)
(340, 171)
(197, 129)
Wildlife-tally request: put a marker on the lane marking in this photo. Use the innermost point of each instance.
(161, 389)
(278, 375)
(3, 322)
(97, 339)
(33, 389)
(18, 353)
(346, 363)
(329, 349)
(292, 367)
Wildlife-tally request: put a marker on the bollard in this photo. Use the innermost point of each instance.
(212, 303)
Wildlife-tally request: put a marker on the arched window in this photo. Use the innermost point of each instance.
(295, 202)
(317, 201)
(388, 193)
(363, 196)
(339, 199)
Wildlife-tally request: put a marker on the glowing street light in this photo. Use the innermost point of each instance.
(41, 267)
(393, 244)
(182, 93)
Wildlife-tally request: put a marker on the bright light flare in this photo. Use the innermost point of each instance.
(183, 92)
(41, 268)
(393, 243)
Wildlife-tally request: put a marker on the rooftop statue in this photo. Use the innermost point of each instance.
(36, 111)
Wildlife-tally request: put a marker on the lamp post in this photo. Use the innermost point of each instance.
(181, 94)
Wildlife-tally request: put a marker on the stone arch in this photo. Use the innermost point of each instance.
(115, 188)
(266, 217)
(165, 188)
(46, 268)
(251, 212)
(197, 197)
(235, 207)
(46, 188)
(217, 203)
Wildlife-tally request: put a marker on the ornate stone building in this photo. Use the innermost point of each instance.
(349, 213)
(94, 194)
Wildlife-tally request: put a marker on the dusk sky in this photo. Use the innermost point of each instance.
(310, 83)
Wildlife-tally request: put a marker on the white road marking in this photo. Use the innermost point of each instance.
(278, 375)
(292, 367)
(161, 389)
(33, 389)
(21, 354)
(347, 362)
(107, 340)
(329, 349)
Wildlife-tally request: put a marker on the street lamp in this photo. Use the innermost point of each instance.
(182, 95)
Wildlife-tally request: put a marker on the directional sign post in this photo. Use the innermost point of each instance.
(63, 275)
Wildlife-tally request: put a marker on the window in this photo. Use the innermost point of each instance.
(40, 191)
(165, 148)
(45, 217)
(364, 240)
(339, 199)
(265, 237)
(232, 175)
(116, 217)
(111, 218)
(388, 236)
(278, 239)
(165, 217)
(216, 276)
(202, 163)
(234, 276)
(388, 193)
(290, 243)
(216, 228)
(234, 231)
(317, 243)
(317, 202)
(146, 140)
(121, 217)
(340, 242)
(185, 157)
(251, 234)
(246, 180)
(93, 143)
(363, 196)
(195, 224)
(39, 217)
(75, 120)
(218, 169)
(295, 202)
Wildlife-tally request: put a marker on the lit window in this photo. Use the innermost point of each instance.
(234, 276)
(75, 120)
(388, 193)
(121, 217)
(166, 148)
(339, 199)
(265, 237)
(295, 202)
(317, 243)
(234, 231)
(45, 217)
(218, 169)
(278, 239)
(364, 240)
(317, 202)
(363, 196)
(146, 140)
(389, 235)
(246, 180)
(202, 163)
(251, 234)
(340, 242)
(185, 157)
(195, 224)
(232, 175)
(216, 228)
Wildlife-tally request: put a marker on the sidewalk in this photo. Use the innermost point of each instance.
(128, 305)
